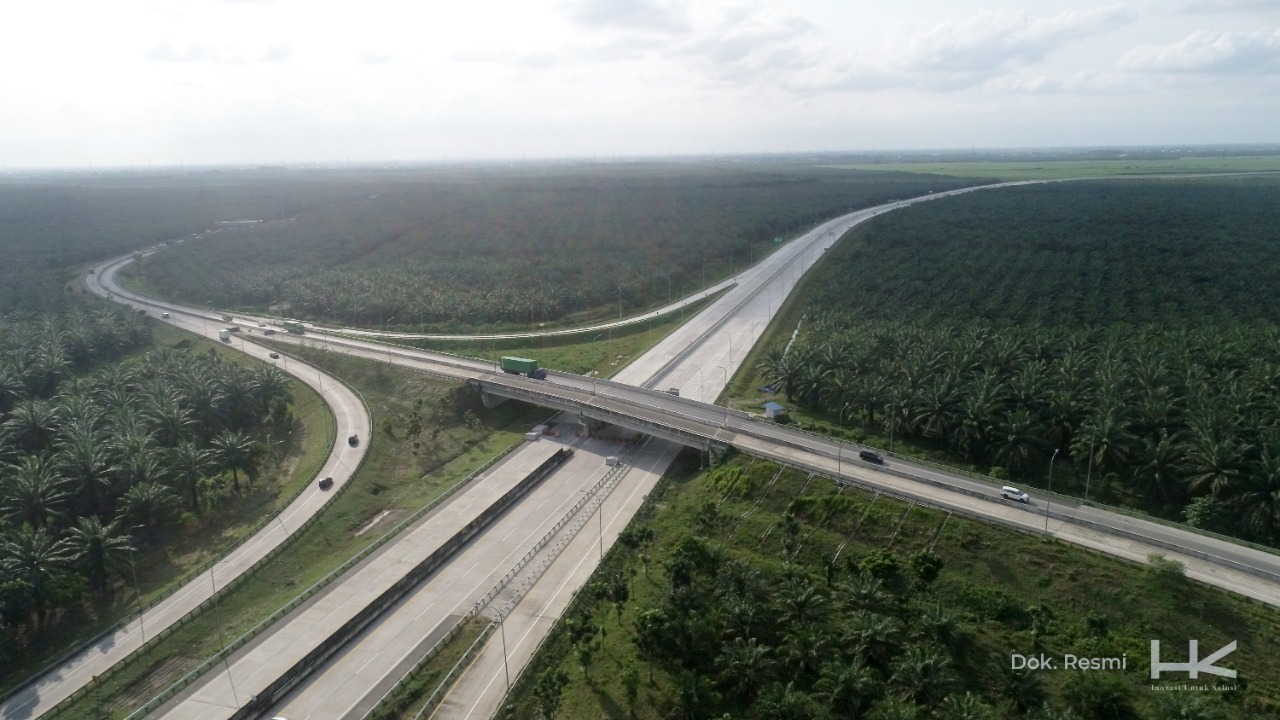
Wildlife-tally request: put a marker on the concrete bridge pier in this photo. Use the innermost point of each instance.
(591, 426)
(491, 400)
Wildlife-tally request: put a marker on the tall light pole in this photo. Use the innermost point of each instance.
(1089, 472)
(726, 334)
(1048, 499)
(137, 592)
(726, 384)
(840, 441)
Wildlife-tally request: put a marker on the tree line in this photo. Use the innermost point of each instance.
(99, 454)
(520, 246)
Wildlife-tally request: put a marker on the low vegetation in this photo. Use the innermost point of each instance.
(1126, 329)
(460, 248)
(753, 591)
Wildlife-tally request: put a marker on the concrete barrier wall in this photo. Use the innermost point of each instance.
(321, 653)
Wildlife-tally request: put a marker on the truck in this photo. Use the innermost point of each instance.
(224, 336)
(523, 366)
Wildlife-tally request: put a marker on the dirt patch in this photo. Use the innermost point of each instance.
(384, 518)
(151, 684)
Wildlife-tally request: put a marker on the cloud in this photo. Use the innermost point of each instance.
(989, 44)
(166, 53)
(994, 49)
(630, 15)
(277, 54)
(1210, 52)
(746, 46)
(372, 58)
(1206, 7)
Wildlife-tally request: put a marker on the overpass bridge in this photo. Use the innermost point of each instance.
(595, 411)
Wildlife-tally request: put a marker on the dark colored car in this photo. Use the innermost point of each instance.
(326, 483)
(275, 356)
(871, 457)
(354, 440)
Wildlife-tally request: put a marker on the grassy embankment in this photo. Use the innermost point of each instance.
(998, 592)
(603, 352)
(196, 538)
(458, 436)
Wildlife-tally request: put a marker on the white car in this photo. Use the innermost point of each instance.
(1013, 493)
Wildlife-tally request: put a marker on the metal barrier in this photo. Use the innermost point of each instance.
(319, 585)
(392, 595)
(174, 587)
(187, 579)
(610, 478)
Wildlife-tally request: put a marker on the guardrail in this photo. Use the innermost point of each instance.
(995, 484)
(317, 586)
(1056, 515)
(611, 477)
(169, 592)
(392, 595)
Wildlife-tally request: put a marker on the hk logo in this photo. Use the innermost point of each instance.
(1194, 665)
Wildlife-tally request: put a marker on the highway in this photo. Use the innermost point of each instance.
(698, 359)
(352, 418)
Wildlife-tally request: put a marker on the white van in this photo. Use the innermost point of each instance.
(1013, 493)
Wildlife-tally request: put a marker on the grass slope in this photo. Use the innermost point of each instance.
(1004, 592)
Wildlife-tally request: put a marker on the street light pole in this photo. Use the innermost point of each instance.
(726, 384)
(726, 334)
(840, 443)
(1048, 500)
(1089, 472)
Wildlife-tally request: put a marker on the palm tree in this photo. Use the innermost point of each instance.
(34, 557)
(1018, 440)
(34, 494)
(801, 602)
(874, 638)
(233, 450)
(271, 384)
(191, 464)
(847, 688)
(98, 548)
(923, 674)
(966, 707)
(82, 457)
(148, 506)
(785, 702)
(11, 388)
(1257, 494)
(804, 649)
(1214, 463)
(785, 370)
(33, 424)
(1108, 434)
(1161, 468)
(744, 666)
(169, 419)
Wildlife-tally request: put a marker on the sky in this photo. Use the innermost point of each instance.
(130, 82)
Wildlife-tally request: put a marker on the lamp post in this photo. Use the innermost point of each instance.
(726, 334)
(1048, 500)
(137, 593)
(384, 336)
(839, 441)
(726, 384)
(1089, 472)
